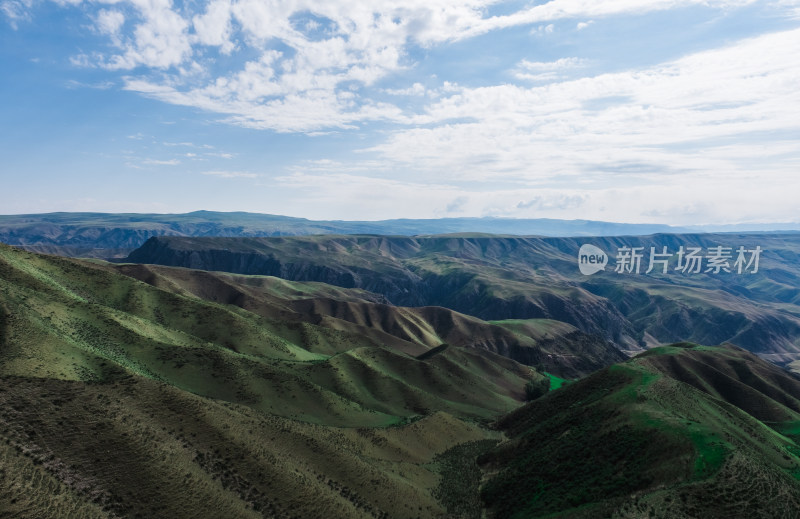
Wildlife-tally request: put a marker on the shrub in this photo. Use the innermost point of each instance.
(536, 388)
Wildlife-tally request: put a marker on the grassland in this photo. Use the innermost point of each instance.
(71, 320)
(139, 448)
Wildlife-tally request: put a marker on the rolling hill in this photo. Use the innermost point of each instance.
(552, 345)
(122, 399)
(677, 432)
(501, 278)
(72, 320)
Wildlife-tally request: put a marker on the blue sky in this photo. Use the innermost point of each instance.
(668, 111)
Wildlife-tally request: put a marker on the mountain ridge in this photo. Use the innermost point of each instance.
(501, 278)
(107, 235)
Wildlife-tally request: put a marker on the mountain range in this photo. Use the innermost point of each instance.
(114, 235)
(465, 376)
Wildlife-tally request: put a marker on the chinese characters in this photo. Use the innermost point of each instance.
(690, 260)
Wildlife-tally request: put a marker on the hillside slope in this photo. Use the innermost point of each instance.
(139, 448)
(121, 399)
(147, 391)
(680, 431)
(554, 346)
(72, 320)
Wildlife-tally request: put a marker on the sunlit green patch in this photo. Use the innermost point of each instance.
(711, 452)
(556, 381)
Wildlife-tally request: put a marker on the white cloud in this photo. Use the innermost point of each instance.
(417, 89)
(214, 26)
(660, 120)
(157, 162)
(546, 71)
(313, 63)
(16, 11)
(109, 22)
(682, 200)
(230, 174)
(792, 7)
(160, 40)
(82, 60)
(313, 86)
(101, 85)
(302, 111)
(572, 9)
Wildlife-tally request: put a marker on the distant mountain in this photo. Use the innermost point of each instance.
(679, 431)
(787, 227)
(500, 278)
(104, 235)
(114, 235)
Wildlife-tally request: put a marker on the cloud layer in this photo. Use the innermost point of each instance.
(551, 134)
(308, 65)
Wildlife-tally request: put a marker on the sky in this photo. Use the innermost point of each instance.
(641, 111)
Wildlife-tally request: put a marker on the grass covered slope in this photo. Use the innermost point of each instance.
(73, 320)
(139, 448)
(485, 276)
(122, 399)
(654, 437)
(552, 345)
(143, 391)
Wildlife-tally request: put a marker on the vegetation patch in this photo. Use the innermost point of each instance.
(458, 489)
(556, 382)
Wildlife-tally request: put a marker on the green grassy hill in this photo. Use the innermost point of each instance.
(551, 345)
(139, 448)
(122, 399)
(73, 320)
(678, 432)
